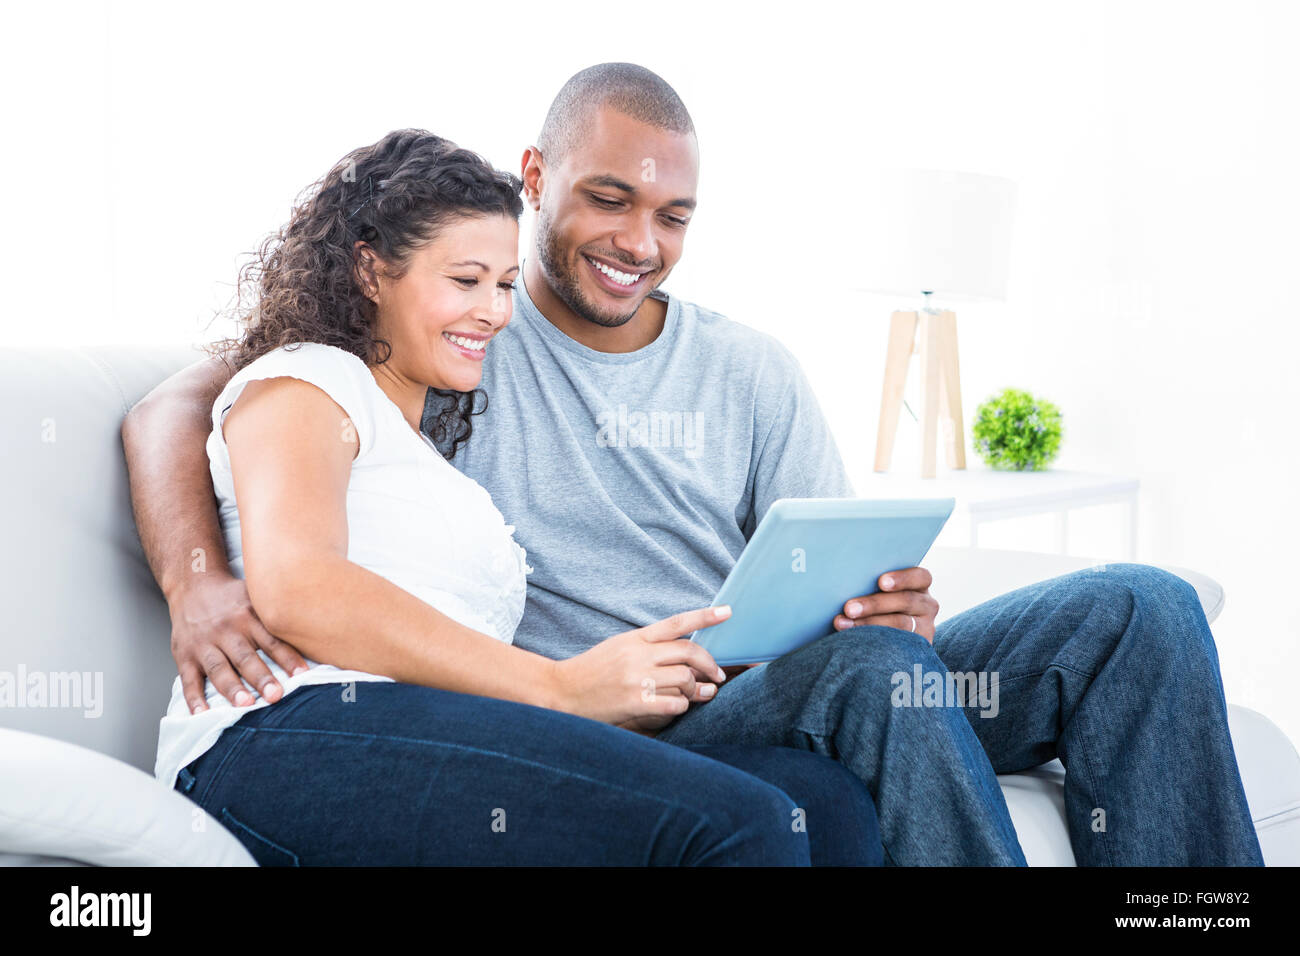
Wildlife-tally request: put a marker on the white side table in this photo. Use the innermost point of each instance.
(984, 495)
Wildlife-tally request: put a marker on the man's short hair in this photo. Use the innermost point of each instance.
(632, 90)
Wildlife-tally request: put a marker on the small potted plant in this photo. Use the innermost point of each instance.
(1014, 431)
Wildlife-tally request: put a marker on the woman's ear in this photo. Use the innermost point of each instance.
(367, 271)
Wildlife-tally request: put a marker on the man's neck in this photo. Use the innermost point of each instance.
(636, 333)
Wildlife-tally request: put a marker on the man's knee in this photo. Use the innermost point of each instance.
(1164, 615)
(1143, 578)
(1155, 586)
(873, 651)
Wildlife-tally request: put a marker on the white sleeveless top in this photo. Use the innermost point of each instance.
(412, 518)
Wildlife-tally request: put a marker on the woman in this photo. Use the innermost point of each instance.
(418, 733)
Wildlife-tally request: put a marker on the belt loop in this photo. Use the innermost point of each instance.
(186, 780)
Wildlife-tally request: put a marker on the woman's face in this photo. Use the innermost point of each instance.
(441, 315)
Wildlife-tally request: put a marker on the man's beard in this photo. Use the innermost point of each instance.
(564, 280)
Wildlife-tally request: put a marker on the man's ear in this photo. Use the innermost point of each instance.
(366, 266)
(531, 169)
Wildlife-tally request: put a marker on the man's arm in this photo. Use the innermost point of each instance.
(215, 632)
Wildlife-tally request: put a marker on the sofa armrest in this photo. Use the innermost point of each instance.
(965, 577)
(59, 801)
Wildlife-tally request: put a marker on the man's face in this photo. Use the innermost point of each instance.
(612, 215)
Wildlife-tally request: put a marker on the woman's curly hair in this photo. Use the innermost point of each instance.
(305, 282)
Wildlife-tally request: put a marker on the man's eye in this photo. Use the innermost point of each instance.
(607, 203)
(677, 221)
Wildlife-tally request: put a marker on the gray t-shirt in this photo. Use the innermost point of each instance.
(635, 479)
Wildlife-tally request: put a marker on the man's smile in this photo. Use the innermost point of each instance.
(618, 280)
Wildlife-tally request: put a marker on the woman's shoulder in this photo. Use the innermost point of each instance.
(299, 359)
(341, 375)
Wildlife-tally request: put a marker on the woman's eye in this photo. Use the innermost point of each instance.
(467, 283)
(506, 286)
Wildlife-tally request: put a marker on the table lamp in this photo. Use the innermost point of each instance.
(931, 233)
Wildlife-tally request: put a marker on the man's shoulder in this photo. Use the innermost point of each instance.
(740, 344)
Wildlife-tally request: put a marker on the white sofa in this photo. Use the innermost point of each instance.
(78, 597)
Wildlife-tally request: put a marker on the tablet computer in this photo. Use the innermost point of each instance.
(805, 560)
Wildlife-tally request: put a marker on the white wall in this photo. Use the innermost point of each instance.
(1154, 283)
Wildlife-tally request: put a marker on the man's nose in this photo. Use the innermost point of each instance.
(637, 239)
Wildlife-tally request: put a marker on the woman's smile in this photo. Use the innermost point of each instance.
(472, 345)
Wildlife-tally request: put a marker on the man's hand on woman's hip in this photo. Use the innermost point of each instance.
(216, 635)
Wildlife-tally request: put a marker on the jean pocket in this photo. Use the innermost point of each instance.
(265, 852)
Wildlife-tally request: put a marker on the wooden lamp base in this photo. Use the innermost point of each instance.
(934, 336)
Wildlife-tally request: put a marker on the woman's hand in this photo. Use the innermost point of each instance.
(642, 679)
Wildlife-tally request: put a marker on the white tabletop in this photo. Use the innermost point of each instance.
(981, 489)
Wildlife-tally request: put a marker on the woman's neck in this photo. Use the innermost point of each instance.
(407, 395)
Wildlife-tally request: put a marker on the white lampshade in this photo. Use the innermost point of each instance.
(938, 231)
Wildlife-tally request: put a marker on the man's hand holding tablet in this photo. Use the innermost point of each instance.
(903, 601)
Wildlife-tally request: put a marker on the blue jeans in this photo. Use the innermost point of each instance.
(409, 775)
(1112, 670)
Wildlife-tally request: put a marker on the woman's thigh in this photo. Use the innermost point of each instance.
(397, 774)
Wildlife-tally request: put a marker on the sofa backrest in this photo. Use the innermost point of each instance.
(84, 632)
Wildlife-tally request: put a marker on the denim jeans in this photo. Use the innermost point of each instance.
(1113, 670)
(397, 774)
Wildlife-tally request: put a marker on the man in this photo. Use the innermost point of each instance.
(636, 440)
